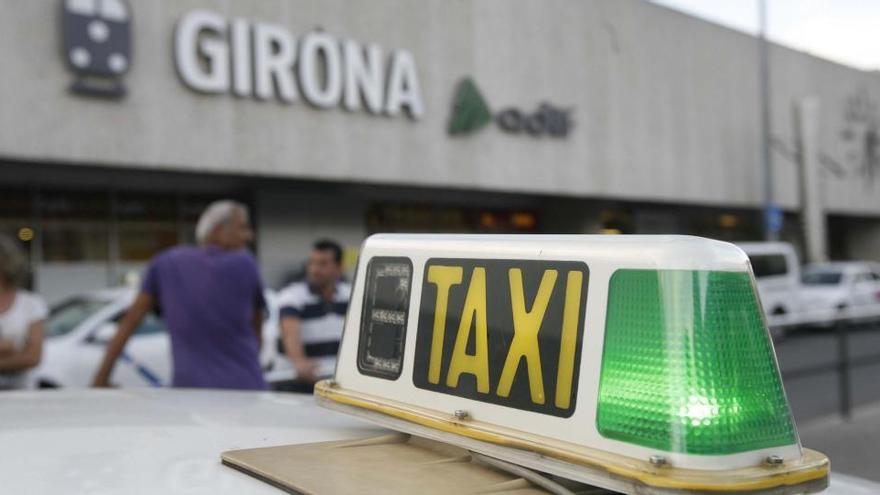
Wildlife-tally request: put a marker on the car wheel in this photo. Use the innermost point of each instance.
(776, 333)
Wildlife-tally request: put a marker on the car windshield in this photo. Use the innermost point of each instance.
(768, 265)
(67, 315)
(822, 278)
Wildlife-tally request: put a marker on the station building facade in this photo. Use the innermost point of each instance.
(120, 120)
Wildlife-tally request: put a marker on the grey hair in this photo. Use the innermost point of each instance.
(13, 263)
(216, 214)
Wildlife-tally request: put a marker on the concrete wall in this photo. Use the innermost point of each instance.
(666, 106)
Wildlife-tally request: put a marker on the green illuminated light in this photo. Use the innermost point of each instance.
(688, 365)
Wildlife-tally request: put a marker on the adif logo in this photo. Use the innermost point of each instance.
(470, 112)
(97, 44)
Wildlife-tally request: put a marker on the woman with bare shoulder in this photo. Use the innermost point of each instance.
(22, 319)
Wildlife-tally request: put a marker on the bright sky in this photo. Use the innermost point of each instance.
(846, 31)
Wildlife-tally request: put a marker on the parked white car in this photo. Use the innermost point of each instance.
(841, 290)
(778, 275)
(79, 328)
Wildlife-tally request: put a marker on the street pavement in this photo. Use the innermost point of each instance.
(853, 445)
(817, 395)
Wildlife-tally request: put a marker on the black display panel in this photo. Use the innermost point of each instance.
(384, 316)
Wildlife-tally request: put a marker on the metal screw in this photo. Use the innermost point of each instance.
(773, 460)
(657, 460)
(461, 414)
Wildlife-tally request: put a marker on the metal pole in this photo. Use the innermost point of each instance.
(812, 212)
(770, 233)
(113, 254)
(843, 369)
(37, 242)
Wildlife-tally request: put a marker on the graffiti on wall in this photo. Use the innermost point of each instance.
(861, 132)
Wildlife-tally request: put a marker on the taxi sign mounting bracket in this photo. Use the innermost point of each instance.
(811, 478)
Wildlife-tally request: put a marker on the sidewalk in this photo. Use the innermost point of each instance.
(853, 447)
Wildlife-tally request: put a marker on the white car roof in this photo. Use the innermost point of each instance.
(151, 441)
(843, 266)
(112, 293)
(766, 247)
(108, 294)
(148, 441)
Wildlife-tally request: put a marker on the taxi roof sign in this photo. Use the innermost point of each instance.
(644, 358)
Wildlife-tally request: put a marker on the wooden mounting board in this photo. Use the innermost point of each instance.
(395, 463)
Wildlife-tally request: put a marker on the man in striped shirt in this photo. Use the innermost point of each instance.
(312, 316)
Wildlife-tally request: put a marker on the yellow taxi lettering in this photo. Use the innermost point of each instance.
(512, 324)
(443, 277)
(526, 325)
(568, 341)
(474, 312)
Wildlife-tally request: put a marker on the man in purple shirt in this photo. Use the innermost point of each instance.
(211, 299)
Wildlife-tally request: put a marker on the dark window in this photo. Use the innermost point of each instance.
(72, 242)
(16, 222)
(75, 226)
(822, 278)
(147, 224)
(15, 204)
(768, 265)
(433, 218)
(150, 325)
(68, 315)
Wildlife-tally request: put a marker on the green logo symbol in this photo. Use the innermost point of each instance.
(470, 111)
